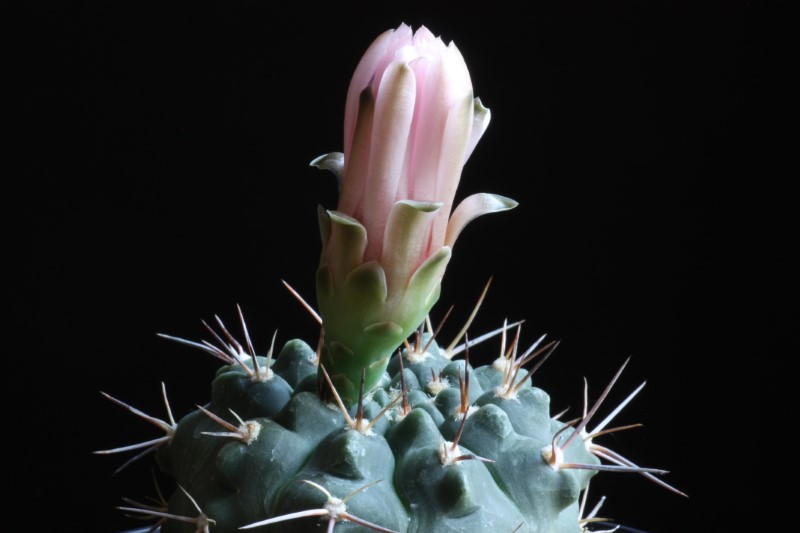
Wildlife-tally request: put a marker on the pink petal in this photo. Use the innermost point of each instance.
(426, 138)
(405, 186)
(356, 164)
(394, 110)
(451, 161)
(364, 73)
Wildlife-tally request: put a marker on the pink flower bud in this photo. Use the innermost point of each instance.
(411, 122)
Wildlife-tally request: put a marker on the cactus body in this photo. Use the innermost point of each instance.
(404, 453)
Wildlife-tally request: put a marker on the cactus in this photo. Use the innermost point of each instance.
(354, 434)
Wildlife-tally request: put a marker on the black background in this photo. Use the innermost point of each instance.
(169, 178)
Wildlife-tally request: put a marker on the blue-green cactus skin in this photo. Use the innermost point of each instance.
(301, 438)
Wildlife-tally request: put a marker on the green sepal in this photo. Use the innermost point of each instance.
(346, 245)
(404, 239)
(423, 285)
(324, 226)
(364, 291)
(333, 161)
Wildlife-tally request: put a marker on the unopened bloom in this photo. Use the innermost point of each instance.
(411, 122)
